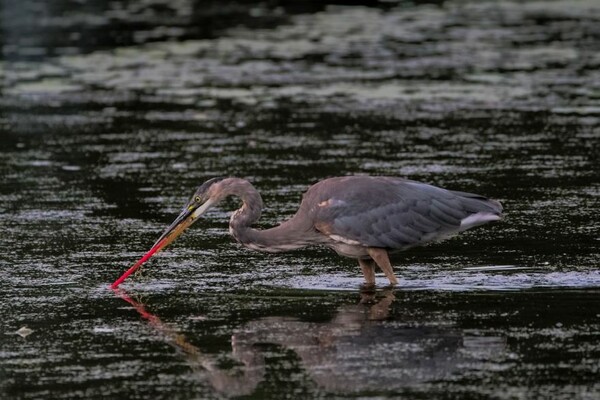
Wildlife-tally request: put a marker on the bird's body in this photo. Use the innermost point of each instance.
(351, 214)
(362, 217)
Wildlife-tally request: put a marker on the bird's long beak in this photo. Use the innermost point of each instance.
(188, 216)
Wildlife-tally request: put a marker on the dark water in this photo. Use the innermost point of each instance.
(111, 113)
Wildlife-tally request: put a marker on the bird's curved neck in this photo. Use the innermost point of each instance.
(252, 204)
(280, 238)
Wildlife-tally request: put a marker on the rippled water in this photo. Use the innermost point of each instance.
(111, 113)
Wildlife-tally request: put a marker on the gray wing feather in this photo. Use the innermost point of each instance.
(391, 212)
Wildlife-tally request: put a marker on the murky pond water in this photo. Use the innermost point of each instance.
(111, 113)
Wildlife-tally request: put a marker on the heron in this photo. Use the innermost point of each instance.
(367, 218)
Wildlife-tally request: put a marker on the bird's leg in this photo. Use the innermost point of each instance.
(381, 258)
(368, 269)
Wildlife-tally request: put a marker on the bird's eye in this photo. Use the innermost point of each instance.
(197, 199)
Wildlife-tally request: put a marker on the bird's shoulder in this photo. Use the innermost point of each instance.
(359, 194)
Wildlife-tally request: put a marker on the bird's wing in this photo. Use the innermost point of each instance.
(395, 213)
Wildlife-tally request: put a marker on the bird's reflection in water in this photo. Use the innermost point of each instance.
(358, 350)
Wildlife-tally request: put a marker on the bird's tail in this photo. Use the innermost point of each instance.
(481, 209)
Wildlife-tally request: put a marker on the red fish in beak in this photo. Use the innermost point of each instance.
(188, 216)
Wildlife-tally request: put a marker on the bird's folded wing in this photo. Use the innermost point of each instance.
(394, 214)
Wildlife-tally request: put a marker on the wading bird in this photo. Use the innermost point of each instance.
(361, 217)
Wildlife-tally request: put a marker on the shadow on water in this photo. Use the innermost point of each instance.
(318, 348)
(388, 342)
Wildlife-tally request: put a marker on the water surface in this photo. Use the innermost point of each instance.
(112, 113)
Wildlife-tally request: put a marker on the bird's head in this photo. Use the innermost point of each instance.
(207, 195)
